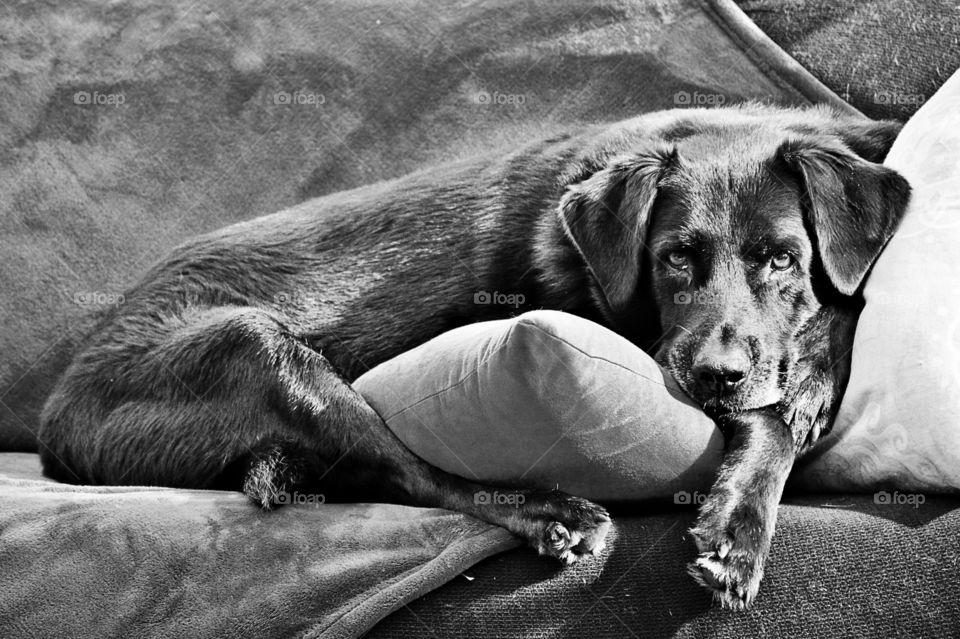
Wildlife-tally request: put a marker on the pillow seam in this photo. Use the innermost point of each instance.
(462, 380)
(527, 323)
(603, 359)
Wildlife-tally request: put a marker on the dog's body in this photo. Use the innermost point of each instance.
(227, 366)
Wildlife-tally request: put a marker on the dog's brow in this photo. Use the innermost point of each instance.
(694, 238)
(682, 237)
(774, 242)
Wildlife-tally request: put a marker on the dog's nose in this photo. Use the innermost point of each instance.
(721, 372)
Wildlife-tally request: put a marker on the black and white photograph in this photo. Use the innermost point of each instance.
(479, 318)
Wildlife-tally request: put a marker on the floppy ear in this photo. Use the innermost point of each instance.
(870, 139)
(606, 218)
(854, 206)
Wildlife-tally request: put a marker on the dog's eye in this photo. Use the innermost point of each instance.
(677, 259)
(781, 261)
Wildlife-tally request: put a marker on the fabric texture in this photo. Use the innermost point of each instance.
(840, 566)
(899, 423)
(547, 400)
(884, 57)
(82, 561)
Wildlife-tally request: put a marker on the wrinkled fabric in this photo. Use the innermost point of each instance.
(82, 561)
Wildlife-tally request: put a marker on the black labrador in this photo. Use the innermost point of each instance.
(730, 243)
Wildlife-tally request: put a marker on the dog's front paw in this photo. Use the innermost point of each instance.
(570, 528)
(732, 552)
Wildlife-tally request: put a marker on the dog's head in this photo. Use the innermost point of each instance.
(739, 229)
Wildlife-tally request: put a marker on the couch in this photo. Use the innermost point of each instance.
(128, 127)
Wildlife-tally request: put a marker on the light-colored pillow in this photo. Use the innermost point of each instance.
(547, 400)
(899, 423)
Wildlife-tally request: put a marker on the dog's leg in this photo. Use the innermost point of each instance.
(231, 398)
(736, 522)
(361, 459)
(552, 522)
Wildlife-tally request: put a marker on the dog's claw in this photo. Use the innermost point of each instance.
(733, 576)
(579, 528)
(598, 548)
(724, 549)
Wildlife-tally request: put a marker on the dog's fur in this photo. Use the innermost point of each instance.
(729, 243)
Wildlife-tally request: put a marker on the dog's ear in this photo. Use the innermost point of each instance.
(854, 205)
(870, 139)
(606, 216)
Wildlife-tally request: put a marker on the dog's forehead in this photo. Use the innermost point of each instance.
(725, 185)
(738, 148)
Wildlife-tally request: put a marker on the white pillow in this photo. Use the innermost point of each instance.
(548, 400)
(899, 422)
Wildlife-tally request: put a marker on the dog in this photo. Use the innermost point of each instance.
(731, 244)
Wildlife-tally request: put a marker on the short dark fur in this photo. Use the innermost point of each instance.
(228, 365)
